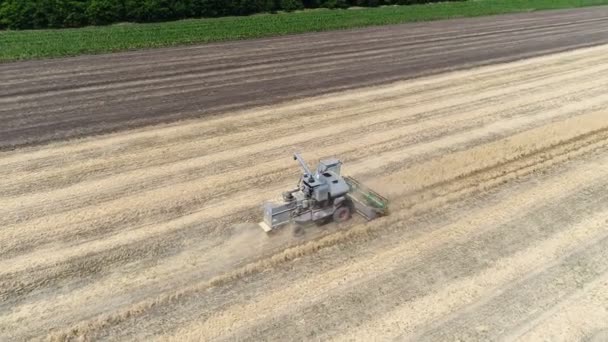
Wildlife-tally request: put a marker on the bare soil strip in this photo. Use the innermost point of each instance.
(496, 175)
(43, 101)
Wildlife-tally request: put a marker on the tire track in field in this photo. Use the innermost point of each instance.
(582, 316)
(522, 301)
(402, 319)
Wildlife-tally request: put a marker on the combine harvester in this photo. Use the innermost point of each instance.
(322, 197)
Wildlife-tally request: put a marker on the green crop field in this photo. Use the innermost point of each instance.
(30, 44)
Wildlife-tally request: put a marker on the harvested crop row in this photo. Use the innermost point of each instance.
(460, 183)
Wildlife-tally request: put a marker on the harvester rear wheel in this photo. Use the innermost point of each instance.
(342, 214)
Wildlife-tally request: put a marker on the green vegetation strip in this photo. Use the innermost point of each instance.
(20, 45)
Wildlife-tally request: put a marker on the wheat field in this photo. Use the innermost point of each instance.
(497, 178)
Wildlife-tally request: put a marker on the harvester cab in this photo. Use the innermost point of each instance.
(323, 196)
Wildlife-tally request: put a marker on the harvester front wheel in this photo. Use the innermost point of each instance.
(342, 214)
